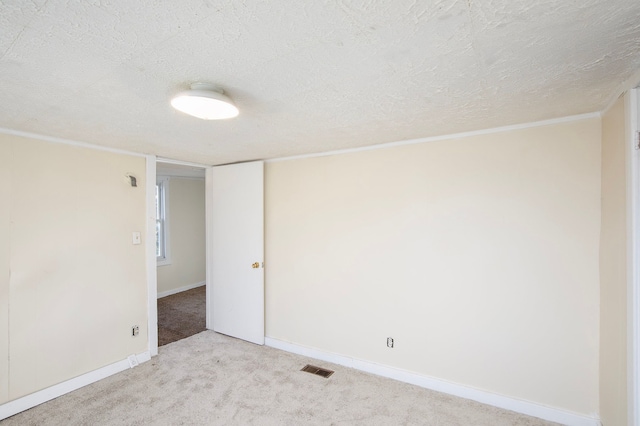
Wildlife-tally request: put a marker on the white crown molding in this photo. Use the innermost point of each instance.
(621, 89)
(21, 404)
(181, 163)
(443, 137)
(64, 141)
(185, 169)
(489, 398)
(610, 105)
(326, 153)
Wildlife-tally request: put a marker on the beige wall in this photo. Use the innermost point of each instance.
(5, 196)
(478, 255)
(77, 283)
(187, 235)
(613, 269)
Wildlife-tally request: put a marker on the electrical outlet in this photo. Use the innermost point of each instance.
(135, 330)
(133, 361)
(390, 342)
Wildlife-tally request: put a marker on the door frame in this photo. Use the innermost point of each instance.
(150, 241)
(632, 125)
(208, 217)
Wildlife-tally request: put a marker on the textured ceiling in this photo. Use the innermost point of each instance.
(307, 76)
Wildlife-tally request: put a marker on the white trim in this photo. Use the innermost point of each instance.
(166, 211)
(621, 90)
(208, 200)
(184, 169)
(443, 137)
(633, 263)
(21, 404)
(610, 105)
(180, 289)
(327, 153)
(151, 261)
(181, 163)
(467, 392)
(64, 141)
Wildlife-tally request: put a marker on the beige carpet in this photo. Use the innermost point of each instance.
(210, 379)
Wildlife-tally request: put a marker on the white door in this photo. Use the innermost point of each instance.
(236, 297)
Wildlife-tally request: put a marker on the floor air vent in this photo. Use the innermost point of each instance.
(317, 371)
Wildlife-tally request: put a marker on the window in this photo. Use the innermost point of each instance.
(162, 221)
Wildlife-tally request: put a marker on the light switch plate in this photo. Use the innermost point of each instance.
(136, 238)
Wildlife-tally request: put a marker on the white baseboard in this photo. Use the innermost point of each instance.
(180, 289)
(489, 398)
(21, 404)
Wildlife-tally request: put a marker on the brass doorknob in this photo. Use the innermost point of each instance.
(255, 265)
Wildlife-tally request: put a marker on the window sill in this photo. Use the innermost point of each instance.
(164, 262)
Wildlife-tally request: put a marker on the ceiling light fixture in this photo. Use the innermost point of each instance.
(205, 101)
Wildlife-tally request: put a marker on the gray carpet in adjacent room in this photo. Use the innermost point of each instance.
(211, 379)
(181, 315)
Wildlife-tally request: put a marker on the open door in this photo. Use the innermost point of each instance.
(236, 247)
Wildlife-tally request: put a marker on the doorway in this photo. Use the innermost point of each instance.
(234, 238)
(180, 251)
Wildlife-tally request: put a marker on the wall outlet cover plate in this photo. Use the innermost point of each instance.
(133, 361)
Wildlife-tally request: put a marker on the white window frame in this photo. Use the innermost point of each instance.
(163, 183)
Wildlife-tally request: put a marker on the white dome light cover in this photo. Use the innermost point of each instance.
(205, 101)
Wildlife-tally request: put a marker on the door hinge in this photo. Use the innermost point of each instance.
(637, 141)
